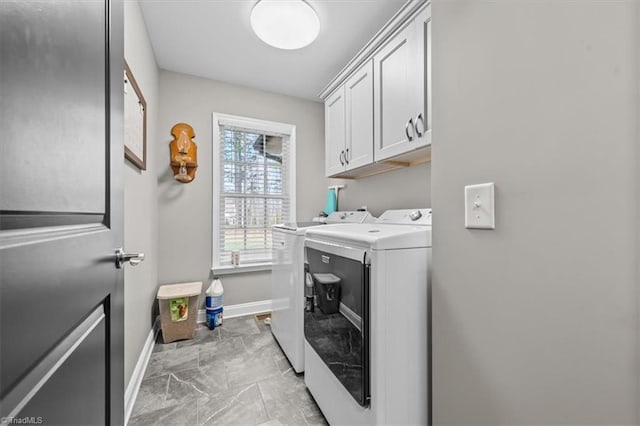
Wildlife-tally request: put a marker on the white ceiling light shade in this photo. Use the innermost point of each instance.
(285, 24)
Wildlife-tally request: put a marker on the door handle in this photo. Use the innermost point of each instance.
(134, 259)
(346, 156)
(341, 157)
(406, 129)
(418, 132)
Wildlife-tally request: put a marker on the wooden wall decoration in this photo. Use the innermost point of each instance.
(135, 121)
(184, 153)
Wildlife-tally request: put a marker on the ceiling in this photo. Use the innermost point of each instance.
(214, 39)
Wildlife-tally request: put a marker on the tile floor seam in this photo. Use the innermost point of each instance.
(264, 405)
(166, 390)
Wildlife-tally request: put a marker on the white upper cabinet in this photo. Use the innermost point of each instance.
(401, 91)
(349, 123)
(378, 109)
(359, 96)
(334, 132)
(394, 95)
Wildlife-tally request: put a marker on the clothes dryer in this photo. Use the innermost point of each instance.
(368, 363)
(288, 281)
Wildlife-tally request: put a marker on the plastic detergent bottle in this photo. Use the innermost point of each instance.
(214, 304)
(214, 294)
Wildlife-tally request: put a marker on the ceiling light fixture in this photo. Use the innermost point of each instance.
(285, 24)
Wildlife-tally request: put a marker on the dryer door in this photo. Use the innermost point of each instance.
(338, 327)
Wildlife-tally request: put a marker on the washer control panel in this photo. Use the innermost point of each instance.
(350, 217)
(406, 217)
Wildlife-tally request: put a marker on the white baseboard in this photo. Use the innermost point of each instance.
(138, 373)
(240, 310)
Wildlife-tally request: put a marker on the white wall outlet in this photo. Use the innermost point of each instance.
(479, 206)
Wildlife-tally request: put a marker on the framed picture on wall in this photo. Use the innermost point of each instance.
(135, 121)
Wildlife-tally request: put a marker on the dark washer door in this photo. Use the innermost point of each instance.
(61, 156)
(338, 330)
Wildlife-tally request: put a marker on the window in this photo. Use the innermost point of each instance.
(253, 188)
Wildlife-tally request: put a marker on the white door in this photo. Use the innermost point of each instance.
(335, 132)
(359, 98)
(395, 105)
(422, 121)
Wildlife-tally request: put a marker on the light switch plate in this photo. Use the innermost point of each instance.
(479, 206)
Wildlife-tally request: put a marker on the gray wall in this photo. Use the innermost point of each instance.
(140, 196)
(400, 189)
(191, 100)
(185, 210)
(536, 321)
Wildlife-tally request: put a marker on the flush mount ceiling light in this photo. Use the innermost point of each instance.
(285, 24)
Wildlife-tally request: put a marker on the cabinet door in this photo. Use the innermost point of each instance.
(334, 132)
(422, 120)
(359, 97)
(395, 100)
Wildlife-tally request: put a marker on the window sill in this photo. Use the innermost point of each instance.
(249, 267)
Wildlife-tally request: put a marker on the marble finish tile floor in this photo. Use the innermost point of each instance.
(233, 375)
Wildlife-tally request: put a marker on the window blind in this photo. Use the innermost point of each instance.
(254, 191)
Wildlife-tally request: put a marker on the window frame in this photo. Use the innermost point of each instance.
(265, 126)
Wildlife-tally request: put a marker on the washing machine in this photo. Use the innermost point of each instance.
(367, 352)
(288, 281)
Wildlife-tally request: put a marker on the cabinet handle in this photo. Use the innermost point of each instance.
(341, 157)
(418, 132)
(406, 129)
(346, 156)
